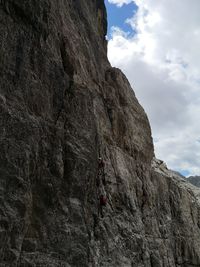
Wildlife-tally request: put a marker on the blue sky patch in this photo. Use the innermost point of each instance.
(118, 15)
(184, 172)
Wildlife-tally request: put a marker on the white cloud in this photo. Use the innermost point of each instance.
(120, 3)
(162, 63)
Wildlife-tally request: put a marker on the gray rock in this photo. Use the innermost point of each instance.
(195, 180)
(61, 107)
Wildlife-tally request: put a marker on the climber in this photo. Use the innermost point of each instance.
(101, 163)
(103, 200)
(101, 172)
(102, 203)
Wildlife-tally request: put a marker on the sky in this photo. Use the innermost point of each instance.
(156, 43)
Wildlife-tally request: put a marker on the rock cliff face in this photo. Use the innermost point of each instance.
(61, 107)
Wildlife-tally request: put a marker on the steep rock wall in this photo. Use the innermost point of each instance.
(61, 107)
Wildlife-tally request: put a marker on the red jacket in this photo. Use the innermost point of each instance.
(103, 200)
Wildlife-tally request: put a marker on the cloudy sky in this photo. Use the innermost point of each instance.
(157, 45)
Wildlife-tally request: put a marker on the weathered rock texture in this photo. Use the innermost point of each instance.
(61, 106)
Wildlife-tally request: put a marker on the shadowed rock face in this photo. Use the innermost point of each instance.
(195, 180)
(61, 107)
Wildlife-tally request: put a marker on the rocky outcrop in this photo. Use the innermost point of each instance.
(195, 180)
(61, 107)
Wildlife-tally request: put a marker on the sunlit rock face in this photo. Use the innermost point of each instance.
(61, 107)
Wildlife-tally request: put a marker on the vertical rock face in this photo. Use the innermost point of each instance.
(61, 107)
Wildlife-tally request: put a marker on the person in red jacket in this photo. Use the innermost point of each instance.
(102, 203)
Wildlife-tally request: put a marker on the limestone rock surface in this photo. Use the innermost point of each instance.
(61, 107)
